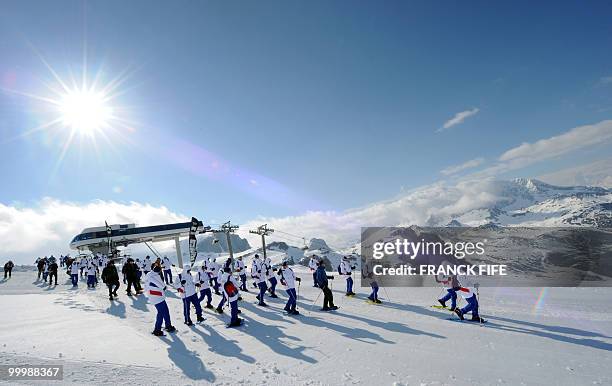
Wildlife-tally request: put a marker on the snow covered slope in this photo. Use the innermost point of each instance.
(534, 336)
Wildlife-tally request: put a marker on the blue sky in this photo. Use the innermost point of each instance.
(298, 105)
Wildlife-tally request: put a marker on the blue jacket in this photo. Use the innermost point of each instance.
(321, 276)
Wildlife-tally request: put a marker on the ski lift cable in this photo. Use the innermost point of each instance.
(152, 250)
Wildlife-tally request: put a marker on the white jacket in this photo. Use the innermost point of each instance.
(288, 276)
(239, 267)
(312, 264)
(188, 288)
(167, 264)
(154, 288)
(258, 271)
(214, 268)
(345, 267)
(203, 279)
(91, 269)
(74, 268)
(467, 287)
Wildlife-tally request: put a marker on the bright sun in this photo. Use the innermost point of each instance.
(85, 111)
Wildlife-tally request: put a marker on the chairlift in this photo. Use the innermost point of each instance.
(305, 247)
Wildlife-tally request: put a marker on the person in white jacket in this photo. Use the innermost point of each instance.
(167, 267)
(74, 273)
(346, 269)
(288, 279)
(154, 288)
(466, 290)
(241, 269)
(214, 268)
(270, 276)
(313, 264)
(203, 283)
(229, 286)
(187, 289)
(91, 274)
(259, 273)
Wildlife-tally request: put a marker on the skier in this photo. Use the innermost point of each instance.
(322, 281)
(74, 273)
(8, 269)
(346, 269)
(466, 290)
(230, 291)
(91, 274)
(258, 272)
(155, 291)
(269, 271)
(187, 291)
(288, 279)
(368, 273)
(53, 272)
(452, 286)
(240, 268)
(203, 283)
(312, 264)
(167, 265)
(214, 270)
(111, 278)
(254, 263)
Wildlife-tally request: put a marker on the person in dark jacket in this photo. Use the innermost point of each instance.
(53, 272)
(8, 268)
(111, 278)
(131, 275)
(322, 281)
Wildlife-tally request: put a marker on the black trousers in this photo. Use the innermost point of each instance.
(328, 298)
(8, 272)
(134, 283)
(51, 276)
(110, 288)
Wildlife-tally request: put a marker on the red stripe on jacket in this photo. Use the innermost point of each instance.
(153, 292)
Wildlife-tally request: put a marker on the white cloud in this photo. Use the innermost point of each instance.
(461, 167)
(458, 119)
(526, 154)
(598, 173)
(604, 80)
(48, 227)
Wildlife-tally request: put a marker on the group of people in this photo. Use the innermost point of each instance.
(47, 268)
(463, 285)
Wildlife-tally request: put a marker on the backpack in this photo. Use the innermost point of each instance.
(230, 289)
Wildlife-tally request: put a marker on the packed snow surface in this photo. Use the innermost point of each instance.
(534, 336)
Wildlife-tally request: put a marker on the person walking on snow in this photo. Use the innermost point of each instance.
(167, 264)
(240, 268)
(368, 273)
(214, 268)
(155, 288)
(203, 283)
(312, 264)
(74, 273)
(229, 286)
(187, 290)
(258, 272)
(8, 269)
(466, 290)
(111, 278)
(53, 272)
(288, 279)
(346, 269)
(322, 281)
(91, 274)
(269, 271)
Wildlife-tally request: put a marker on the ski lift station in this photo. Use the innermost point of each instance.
(106, 239)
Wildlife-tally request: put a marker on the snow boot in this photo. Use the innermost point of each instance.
(442, 302)
(274, 296)
(200, 319)
(189, 323)
(110, 297)
(294, 312)
(477, 319)
(235, 323)
(158, 333)
(171, 329)
(377, 301)
(219, 310)
(209, 306)
(459, 313)
(262, 304)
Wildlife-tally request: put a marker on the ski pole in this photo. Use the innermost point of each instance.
(313, 303)
(386, 294)
(298, 294)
